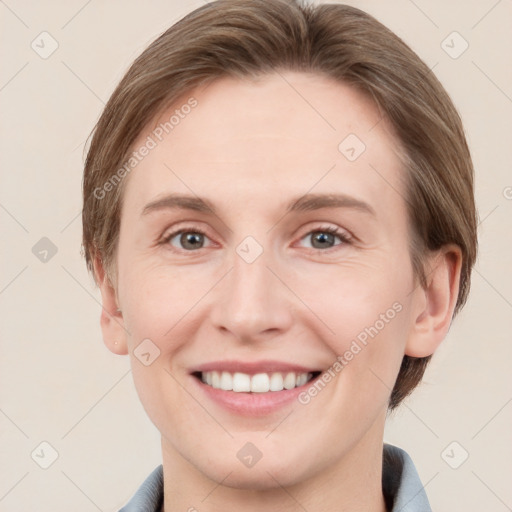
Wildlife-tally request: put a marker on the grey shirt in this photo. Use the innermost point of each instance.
(401, 486)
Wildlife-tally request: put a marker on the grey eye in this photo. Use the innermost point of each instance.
(188, 240)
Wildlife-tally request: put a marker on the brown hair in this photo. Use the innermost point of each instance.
(247, 38)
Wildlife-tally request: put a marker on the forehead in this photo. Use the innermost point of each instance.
(259, 138)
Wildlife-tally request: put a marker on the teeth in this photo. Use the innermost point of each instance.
(215, 380)
(258, 383)
(302, 379)
(290, 381)
(276, 382)
(241, 382)
(226, 381)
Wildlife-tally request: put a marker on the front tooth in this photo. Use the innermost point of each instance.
(226, 381)
(241, 382)
(289, 381)
(216, 380)
(276, 382)
(260, 383)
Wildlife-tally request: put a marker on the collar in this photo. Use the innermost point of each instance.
(401, 486)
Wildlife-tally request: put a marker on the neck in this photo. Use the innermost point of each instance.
(352, 484)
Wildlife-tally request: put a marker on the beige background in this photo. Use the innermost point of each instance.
(59, 384)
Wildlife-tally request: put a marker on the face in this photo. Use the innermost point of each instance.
(264, 244)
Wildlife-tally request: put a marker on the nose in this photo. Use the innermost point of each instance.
(252, 302)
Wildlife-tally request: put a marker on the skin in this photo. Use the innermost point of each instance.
(250, 148)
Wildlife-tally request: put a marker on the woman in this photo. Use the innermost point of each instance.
(279, 213)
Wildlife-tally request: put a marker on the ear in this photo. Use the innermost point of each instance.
(111, 320)
(434, 305)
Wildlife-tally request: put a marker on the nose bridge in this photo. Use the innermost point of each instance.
(253, 300)
(250, 279)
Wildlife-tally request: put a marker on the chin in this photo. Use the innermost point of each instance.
(262, 480)
(264, 475)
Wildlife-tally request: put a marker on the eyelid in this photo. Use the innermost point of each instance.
(177, 230)
(345, 236)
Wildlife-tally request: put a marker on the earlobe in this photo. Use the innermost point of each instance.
(435, 304)
(111, 318)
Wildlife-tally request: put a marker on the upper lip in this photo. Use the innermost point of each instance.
(253, 367)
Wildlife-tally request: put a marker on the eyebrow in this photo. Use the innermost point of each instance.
(306, 203)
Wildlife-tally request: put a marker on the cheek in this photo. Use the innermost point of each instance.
(363, 315)
(155, 298)
(351, 298)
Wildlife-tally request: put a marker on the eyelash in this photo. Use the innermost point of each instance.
(342, 235)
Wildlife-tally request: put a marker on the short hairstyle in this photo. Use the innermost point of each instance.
(250, 38)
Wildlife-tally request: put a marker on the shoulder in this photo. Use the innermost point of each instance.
(401, 486)
(401, 483)
(149, 496)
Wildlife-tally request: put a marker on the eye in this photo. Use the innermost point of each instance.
(324, 237)
(191, 239)
(188, 239)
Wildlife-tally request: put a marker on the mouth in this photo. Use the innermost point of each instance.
(252, 388)
(264, 382)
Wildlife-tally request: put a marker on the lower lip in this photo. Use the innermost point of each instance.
(252, 404)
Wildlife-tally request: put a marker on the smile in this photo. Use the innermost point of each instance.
(258, 383)
(252, 388)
